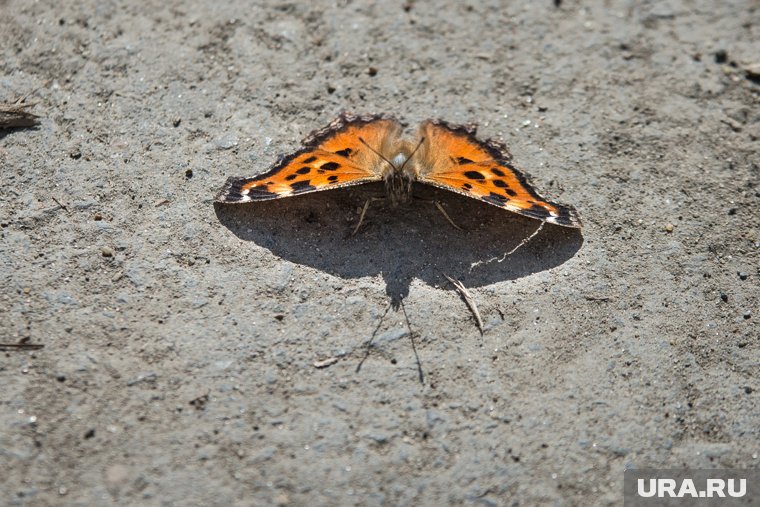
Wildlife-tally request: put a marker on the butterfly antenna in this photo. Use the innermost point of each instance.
(412, 154)
(377, 152)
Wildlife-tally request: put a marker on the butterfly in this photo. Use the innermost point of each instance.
(356, 149)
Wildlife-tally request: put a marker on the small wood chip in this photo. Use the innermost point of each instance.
(16, 115)
(752, 70)
(468, 299)
(735, 125)
(324, 363)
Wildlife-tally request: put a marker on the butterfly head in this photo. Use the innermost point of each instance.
(398, 179)
(399, 175)
(399, 160)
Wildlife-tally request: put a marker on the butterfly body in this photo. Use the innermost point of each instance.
(360, 149)
(398, 186)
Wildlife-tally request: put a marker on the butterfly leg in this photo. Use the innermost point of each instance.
(364, 211)
(442, 210)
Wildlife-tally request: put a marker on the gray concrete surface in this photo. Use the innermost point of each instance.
(180, 339)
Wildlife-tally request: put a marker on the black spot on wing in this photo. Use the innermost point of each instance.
(309, 160)
(260, 194)
(332, 178)
(496, 199)
(304, 170)
(300, 187)
(291, 177)
(330, 166)
(497, 171)
(539, 210)
(474, 175)
(463, 160)
(503, 185)
(344, 152)
(467, 186)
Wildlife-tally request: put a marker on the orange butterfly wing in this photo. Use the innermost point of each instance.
(452, 158)
(332, 157)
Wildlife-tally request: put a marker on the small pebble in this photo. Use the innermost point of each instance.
(226, 142)
(724, 297)
(106, 252)
(742, 275)
(98, 217)
(189, 173)
(747, 315)
(668, 228)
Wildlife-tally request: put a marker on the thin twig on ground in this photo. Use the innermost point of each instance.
(503, 257)
(59, 203)
(468, 299)
(21, 346)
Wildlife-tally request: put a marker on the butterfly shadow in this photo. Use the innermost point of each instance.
(402, 243)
